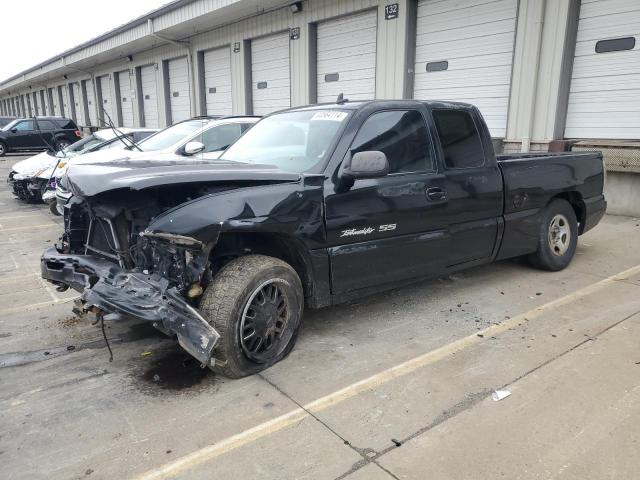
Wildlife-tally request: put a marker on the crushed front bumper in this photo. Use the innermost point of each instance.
(29, 188)
(149, 297)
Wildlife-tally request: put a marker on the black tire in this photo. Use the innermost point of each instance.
(232, 302)
(557, 238)
(53, 208)
(43, 189)
(3, 149)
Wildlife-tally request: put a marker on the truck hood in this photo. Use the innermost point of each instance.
(101, 156)
(87, 180)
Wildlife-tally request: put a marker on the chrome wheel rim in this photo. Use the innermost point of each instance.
(264, 321)
(1, 149)
(559, 235)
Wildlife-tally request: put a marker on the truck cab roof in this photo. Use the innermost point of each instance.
(361, 104)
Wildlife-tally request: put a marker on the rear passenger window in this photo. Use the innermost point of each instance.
(46, 125)
(459, 138)
(401, 135)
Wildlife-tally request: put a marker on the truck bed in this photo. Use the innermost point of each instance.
(532, 179)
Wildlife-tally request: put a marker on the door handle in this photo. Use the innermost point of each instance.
(436, 194)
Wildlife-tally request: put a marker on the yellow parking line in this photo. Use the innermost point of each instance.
(12, 278)
(15, 229)
(20, 217)
(214, 450)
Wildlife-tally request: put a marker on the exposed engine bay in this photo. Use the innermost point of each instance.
(107, 253)
(114, 226)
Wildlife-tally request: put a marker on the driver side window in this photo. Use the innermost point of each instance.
(25, 126)
(402, 136)
(220, 137)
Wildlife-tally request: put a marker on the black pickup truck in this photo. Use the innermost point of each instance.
(311, 207)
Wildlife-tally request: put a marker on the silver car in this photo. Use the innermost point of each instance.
(205, 137)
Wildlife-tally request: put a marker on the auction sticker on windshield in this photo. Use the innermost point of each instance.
(332, 115)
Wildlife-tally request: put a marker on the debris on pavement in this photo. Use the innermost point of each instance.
(500, 395)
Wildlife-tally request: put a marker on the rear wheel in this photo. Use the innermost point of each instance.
(557, 238)
(255, 303)
(3, 149)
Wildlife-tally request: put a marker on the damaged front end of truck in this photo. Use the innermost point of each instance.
(138, 242)
(141, 291)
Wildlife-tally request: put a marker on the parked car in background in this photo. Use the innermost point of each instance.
(202, 138)
(38, 133)
(30, 177)
(6, 120)
(312, 207)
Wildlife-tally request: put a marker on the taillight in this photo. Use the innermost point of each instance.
(78, 133)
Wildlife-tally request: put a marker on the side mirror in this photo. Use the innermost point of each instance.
(371, 164)
(191, 148)
(14, 130)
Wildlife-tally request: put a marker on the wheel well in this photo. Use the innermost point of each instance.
(575, 200)
(287, 249)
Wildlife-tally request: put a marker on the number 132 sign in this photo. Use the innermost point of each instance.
(391, 11)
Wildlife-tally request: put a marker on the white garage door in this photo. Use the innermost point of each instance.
(179, 99)
(44, 107)
(126, 102)
(604, 97)
(34, 102)
(346, 56)
(91, 102)
(66, 107)
(149, 96)
(464, 52)
(217, 81)
(78, 104)
(53, 98)
(107, 100)
(270, 73)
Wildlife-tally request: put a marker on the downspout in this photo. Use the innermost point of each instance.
(185, 44)
(539, 23)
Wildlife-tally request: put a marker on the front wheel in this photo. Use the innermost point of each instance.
(557, 238)
(3, 149)
(53, 208)
(255, 303)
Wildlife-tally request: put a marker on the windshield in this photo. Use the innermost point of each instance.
(291, 141)
(172, 135)
(83, 145)
(9, 125)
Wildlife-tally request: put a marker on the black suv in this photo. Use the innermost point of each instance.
(38, 133)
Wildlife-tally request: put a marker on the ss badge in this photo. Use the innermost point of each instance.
(387, 228)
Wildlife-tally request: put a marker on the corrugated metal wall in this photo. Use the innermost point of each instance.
(395, 60)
